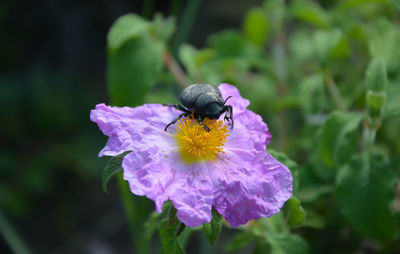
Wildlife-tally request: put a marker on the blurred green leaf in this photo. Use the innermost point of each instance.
(152, 222)
(187, 54)
(384, 39)
(312, 193)
(310, 12)
(241, 240)
(133, 70)
(256, 26)
(376, 102)
(230, 43)
(286, 243)
(213, 229)
(164, 28)
(301, 45)
(169, 244)
(330, 44)
(365, 193)
(125, 28)
(313, 220)
(312, 93)
(296, 213)
(392, 108)
(353, 4)
(396, 4)
(338, 137)
(112, 168)
(376, 76)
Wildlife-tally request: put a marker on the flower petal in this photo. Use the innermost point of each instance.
(160, 177)
(250, 185)
(192, 195)
(132, 128)
(253, 125)
(237, 102)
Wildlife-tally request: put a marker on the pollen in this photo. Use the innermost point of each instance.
(196, 144)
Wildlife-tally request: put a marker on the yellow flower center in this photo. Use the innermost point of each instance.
(196, 144)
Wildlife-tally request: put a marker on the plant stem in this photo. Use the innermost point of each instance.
(175, 69)
(141, 245)
(11, 237)
(279, 57)
(186, 23)
(334, 91)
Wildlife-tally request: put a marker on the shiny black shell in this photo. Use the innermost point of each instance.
(203, 99)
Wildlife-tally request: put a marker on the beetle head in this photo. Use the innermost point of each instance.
(214, 110)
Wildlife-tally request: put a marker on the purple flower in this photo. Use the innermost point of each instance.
(197, 170)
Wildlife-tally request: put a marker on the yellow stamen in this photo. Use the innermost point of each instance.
(196, 144)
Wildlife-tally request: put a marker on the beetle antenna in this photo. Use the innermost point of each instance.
(227, 99)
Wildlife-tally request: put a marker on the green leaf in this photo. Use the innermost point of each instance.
(301, 45)
(164, 28)
(112, 168)
(312, 93)
(396, 4)
(256, 26)
(286, 243)
(125, 28)
(311, 13)
(169, 243)
(170, 229)
(133, 70)
(296, 212)
(355, 4)
(376, 102)
(214, 228)
(152, 222)
(376, 76)
(187, 54)
(365, 193)
(310, 194)
(241, 240)
(338, 137)
(384, 39)
(330, 44)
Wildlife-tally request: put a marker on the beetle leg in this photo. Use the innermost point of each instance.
(176, 119)
(176, 106)
(229, 115)
(200, 121)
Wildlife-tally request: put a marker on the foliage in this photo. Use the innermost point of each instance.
(323, 75)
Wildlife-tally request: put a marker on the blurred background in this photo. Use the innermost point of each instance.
(298, 62)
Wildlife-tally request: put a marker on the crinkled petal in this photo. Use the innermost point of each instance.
(257, 130)
(161, 176)
(237, 102)
(192, 195)
(127, 126)
(250, 185)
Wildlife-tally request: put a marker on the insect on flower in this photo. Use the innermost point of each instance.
(224, 168)
(201, 101)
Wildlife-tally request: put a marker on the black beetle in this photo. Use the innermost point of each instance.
(201, 101)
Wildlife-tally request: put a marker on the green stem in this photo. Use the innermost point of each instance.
(136, 224)
(186, 23)
(11, 237)
(334, 91)
(279, 57)
(175, 69)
